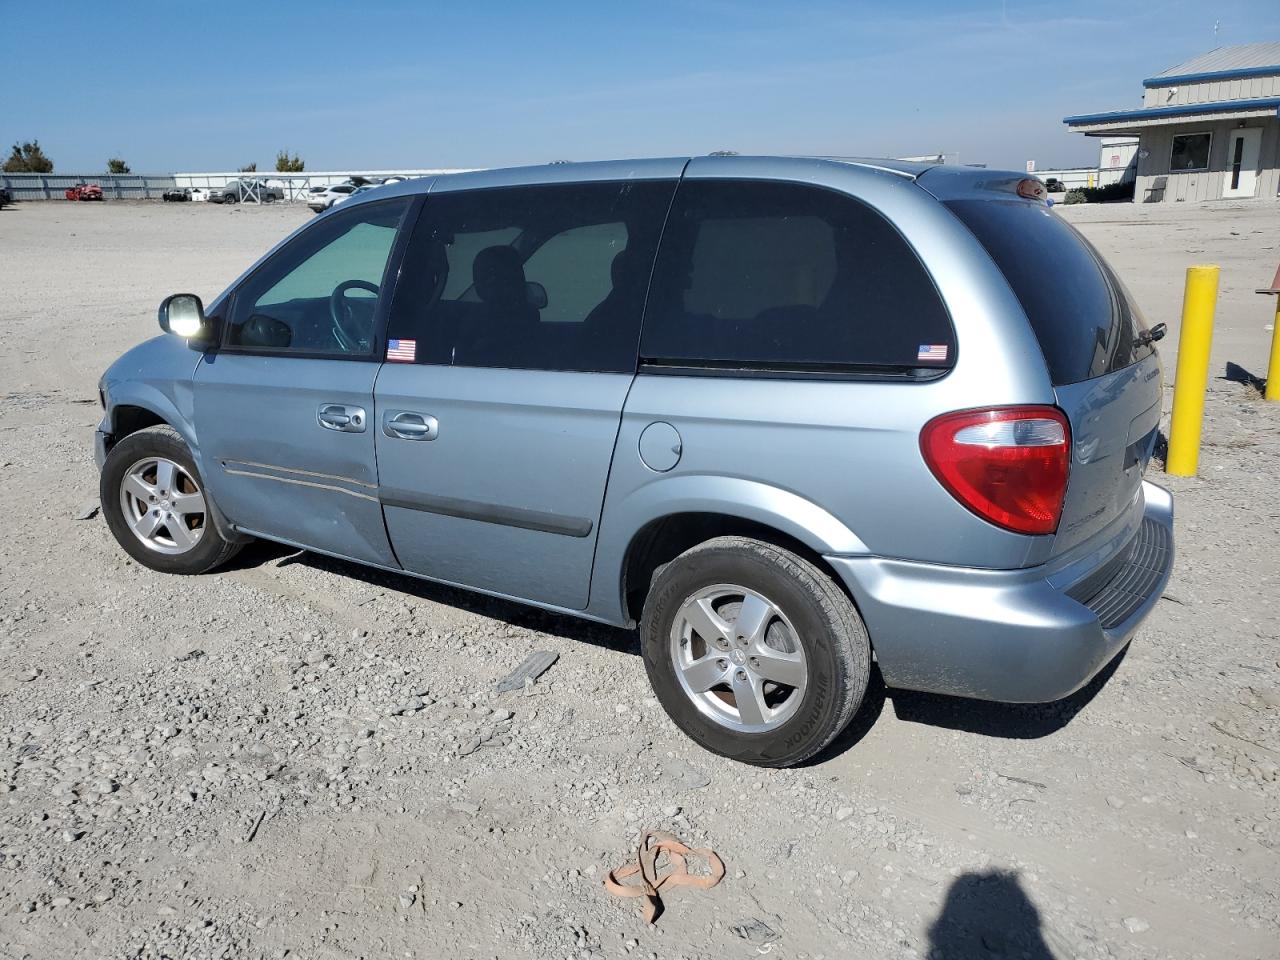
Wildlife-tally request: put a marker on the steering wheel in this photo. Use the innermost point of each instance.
(346, 328)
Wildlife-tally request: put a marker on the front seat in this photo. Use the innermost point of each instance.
(507, 318)
(622, 275)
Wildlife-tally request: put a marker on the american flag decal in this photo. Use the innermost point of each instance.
(932, 351)
(402, 351)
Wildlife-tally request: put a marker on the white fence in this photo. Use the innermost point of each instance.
(150, 186)
(294, 186)
(115, 186)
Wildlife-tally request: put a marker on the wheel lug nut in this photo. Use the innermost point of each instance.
(742, 675)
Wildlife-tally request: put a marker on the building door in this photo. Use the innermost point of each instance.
(1243, 149)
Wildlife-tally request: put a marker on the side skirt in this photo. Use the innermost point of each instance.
(551, 608)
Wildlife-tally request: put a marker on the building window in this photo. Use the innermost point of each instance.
(1190, 152)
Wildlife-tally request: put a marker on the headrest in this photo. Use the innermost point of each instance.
(498, 275)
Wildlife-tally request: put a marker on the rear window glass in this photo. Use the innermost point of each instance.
(1084, 318)
(789, 276)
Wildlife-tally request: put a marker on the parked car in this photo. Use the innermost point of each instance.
(321, 199)
(5, 197)
(234, 190)
(84, 191)
(1054, 185)
(177, 195)
(780, 413)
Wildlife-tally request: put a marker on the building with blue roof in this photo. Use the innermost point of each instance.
(1208, 129)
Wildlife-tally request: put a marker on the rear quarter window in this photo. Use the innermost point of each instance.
(1086, 322)
(786, 276)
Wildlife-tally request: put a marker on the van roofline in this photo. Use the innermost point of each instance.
(957, 179)
(908, 169)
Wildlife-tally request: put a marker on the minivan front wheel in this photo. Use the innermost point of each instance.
(155, 504)
(753, 651)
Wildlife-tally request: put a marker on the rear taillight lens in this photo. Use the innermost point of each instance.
(1009, 465)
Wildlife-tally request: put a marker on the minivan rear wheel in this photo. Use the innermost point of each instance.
(753, 651)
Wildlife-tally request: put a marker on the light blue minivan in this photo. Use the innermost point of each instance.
(789, 416)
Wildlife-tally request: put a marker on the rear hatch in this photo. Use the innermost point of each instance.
(1104, 368)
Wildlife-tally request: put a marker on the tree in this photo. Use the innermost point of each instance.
(116, 165)
(249, 168)
(288, 164)
(28, 158)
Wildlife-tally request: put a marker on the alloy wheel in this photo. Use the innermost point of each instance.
(738, 658)
(163, 505)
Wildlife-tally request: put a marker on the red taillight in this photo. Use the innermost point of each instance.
(1009, 465)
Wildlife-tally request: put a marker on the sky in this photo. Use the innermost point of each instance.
(401, 85)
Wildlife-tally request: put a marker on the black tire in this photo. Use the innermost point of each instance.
(837, 652)
(211, 548)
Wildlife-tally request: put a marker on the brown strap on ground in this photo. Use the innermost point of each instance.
(652, 844)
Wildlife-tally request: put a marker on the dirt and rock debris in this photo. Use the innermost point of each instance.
(298, 757)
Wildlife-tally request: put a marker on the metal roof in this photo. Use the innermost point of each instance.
(1246, 60)
(1196, 110)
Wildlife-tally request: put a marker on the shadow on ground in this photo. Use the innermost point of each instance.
(986, 915)
(1003, 720)
(1238, 374)
(261, 553)
(1010, 721)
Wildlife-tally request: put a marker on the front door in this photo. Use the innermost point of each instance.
(512, 347)
(1243, 149)
(284, 409)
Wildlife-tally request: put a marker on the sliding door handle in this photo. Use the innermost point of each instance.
(408, 425)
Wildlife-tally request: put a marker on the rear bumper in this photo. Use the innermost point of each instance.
(1020, 636)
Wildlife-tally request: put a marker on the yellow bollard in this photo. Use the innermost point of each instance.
(1192, 374)
(1273, 368)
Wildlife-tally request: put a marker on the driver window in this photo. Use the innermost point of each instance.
(319, 295)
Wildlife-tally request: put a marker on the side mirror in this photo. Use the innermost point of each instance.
(183, 314)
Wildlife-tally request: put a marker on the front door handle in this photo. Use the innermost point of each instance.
(407, 425)
(336, 416)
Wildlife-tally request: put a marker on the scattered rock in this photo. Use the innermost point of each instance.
(754, 930)
(532, 667)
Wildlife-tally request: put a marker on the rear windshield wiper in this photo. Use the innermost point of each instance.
(1151, 336)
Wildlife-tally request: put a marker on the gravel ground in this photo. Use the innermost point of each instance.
(297, 757)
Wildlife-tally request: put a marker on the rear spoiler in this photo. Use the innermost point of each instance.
(976, 183)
